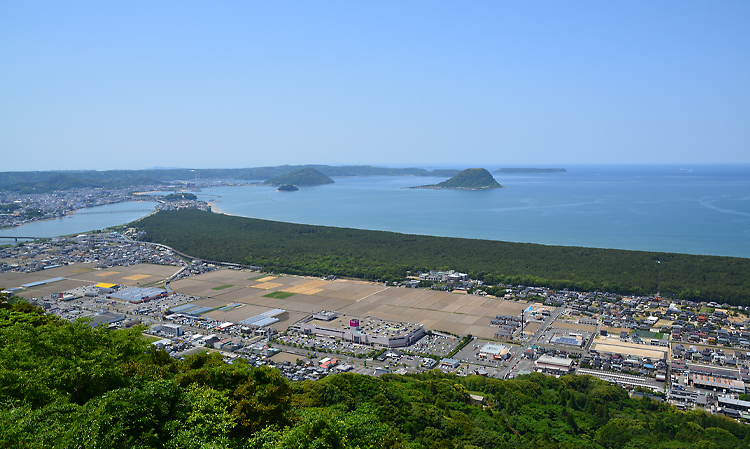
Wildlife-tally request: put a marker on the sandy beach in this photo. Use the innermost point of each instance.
(215, 209)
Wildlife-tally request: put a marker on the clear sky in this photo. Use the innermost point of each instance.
(104, 85)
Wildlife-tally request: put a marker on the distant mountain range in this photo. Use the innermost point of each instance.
(530, 170)
(300, 177)
(48, 181)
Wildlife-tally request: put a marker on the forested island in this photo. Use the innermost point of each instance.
(288, 188)
(530, 170)
(300, 177)
(69, 385)
(469, 179)
(180, 196)
(388, 256)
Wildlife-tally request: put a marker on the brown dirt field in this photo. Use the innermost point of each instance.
(460, 314)
(267, 286)
(137, 277)
(266, 279)
(640, 352)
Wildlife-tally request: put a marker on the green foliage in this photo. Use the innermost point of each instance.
(125, 178)
(387, 256)
(301, 177)
(180, 196)
(140, 397)
(65, 181)
(279, 295)
(471, 178)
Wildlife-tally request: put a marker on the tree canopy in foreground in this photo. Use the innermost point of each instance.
(67, 385)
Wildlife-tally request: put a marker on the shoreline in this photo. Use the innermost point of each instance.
(215, 209)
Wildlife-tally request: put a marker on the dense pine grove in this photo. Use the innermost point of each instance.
(387, 256)
(66, 385)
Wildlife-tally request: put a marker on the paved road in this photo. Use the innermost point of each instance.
(532, 341)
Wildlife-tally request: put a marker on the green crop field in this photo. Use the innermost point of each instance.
(279, 295)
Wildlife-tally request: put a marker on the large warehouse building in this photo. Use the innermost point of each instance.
(367, 330)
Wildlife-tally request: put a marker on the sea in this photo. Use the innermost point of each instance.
(693, 209)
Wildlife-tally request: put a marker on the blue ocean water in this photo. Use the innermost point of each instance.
(694, 209)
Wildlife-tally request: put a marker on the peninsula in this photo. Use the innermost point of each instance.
(469, 179)
(300, 177)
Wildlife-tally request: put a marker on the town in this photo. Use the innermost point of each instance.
(693, 355)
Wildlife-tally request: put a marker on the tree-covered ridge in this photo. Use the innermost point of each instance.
(469, 179)
(67, 181)
(42, 181)
(301, 177)
(67, 385)
(378, 255)
(530, 170)
(180, 196)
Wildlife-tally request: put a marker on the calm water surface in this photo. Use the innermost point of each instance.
(703, 209)
(83, 220)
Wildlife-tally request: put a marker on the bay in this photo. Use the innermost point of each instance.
(82, 220)
(693, 209)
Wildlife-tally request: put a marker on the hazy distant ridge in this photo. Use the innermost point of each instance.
(46, 181)
(530, 170)
(301, 177)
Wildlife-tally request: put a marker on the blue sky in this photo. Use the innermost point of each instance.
(103, 85)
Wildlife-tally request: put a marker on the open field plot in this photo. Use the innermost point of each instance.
(279, 295)
(458, 314)
(130, 275)
(45, 290)
(80, 275)
(614, 345)
(531, 328)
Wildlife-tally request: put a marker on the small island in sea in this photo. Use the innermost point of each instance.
(300, 177)
(180, 196)
(530, 170)
(287, 188)
(469, 179)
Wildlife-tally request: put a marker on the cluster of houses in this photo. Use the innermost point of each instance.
(25, 208)
(103, 250)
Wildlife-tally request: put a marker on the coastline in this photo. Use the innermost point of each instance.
(215, 209)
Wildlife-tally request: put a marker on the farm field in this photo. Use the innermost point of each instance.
(443, 311)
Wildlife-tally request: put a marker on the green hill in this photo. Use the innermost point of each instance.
(301, 177)
(471, 178)
(288, 188)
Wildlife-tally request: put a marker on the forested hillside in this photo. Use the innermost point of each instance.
(320, 250)
(301, 177)
(66, 385)
(47, 181)
(471, 178)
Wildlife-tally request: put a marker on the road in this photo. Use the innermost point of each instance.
(532, 341)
